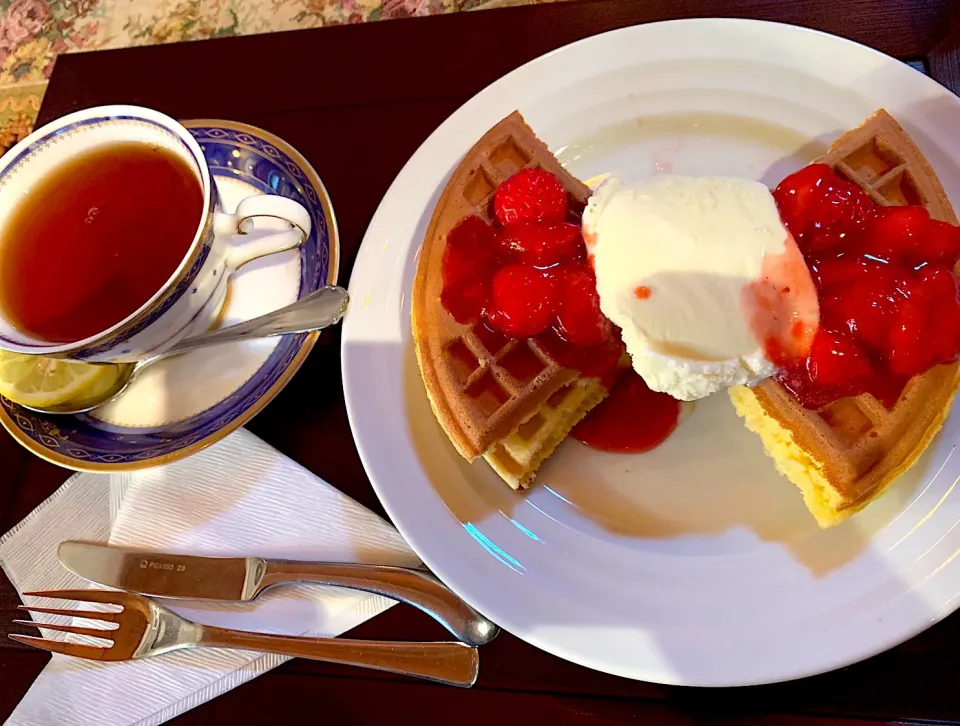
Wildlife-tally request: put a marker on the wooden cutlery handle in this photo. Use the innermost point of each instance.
(456, 664)
(420, 589)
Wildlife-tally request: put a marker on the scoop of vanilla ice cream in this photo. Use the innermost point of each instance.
(679, 261)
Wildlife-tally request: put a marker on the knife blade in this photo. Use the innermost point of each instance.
(234, 579)
(164, 575)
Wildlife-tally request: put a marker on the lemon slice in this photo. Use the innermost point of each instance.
(95, 392)
(42, 382)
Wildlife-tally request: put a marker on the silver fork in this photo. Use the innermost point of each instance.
(145, 628)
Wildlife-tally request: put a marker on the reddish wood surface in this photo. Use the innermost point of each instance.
(357, 101)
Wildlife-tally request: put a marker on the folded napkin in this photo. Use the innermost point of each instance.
(239, 497)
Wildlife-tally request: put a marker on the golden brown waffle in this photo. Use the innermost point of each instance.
(847, 453)
(502, 398)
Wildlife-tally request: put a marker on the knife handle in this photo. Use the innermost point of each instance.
(452, 663)
(420, 589)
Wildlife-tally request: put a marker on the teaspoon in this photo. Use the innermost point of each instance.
(316, 311)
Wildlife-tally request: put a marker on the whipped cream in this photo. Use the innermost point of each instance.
(699, 274)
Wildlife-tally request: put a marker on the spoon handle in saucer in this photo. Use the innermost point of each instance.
(316, 311)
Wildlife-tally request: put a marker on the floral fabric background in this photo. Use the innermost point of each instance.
(34, 32)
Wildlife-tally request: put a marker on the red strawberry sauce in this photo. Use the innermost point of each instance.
(632, 419)
(889, 304)
(528, 275)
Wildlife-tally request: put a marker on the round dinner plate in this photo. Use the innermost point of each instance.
(183, 404)
(695, 563)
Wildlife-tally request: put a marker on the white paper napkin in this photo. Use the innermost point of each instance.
(239, 497)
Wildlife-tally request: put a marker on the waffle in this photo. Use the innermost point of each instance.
(496, 397)
(846, 454)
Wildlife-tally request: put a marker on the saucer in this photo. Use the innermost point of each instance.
(179, 406)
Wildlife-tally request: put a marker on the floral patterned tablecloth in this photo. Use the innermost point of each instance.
(34, 32)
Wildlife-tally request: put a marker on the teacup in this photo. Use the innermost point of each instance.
(190, 299)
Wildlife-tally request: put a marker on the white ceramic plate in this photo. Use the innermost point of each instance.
(696, 563)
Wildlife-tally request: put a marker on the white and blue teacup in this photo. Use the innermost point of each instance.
(190, 300)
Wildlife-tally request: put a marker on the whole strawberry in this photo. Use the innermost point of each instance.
(579, 319)
(523, 301)
(540, 243)
(531, 195)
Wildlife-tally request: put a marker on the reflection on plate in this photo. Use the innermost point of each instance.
(695, 563)
(183, 404)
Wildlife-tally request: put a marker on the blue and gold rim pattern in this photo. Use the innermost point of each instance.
(83, 443)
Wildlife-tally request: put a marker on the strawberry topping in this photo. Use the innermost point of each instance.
(820, 209)
(531, 195)
(468, 261)
(524, 301)
(541, 243)
(579, 320)
(527, 276)
(942, 242)
(888, 294)
(889, 303)
(835, 358)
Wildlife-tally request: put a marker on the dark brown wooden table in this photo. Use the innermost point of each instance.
(357, 101)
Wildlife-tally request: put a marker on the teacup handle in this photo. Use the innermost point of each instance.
(272, 241)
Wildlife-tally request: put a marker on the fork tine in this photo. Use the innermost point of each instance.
(88, 614)
(107, 596)
(58, 646)
(76, 629)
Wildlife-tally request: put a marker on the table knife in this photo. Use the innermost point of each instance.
(243, 578)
